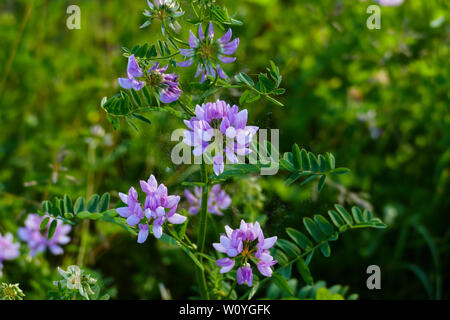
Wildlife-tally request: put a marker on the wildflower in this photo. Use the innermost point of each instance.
(230, 121)
(133, 212)
(165, 10)
(244, 275)
(133, 72)
(158, 208)
(38, 241)
(244, 244)
(11, 292)
(165, 84)
(75, 280)
(218, 200)
(207, 52)
(8, 249)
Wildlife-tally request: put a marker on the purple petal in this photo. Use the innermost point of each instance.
(226, 263)
(269, 242)
(133, 220)
(123, 212)
(177, 219)
(230, 47)
(226, 37)
(211, 31)
(157, 231)
(143, 233)
(186, 63)
(193, 41)
(226, 59)
(200, 33)
(133, 67)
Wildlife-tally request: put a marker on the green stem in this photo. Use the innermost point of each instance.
(202, 233)
(231, 289)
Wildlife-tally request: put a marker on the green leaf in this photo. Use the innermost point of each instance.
(336, 218)
(288, 247)
(274, 101)
(104, 202)
(147, 96)
(313, 229)
(331, 160)
(44, 223)
(279, 91)
(305, 160)
(51, 229)
(325, 249)
(292, 178)
(324, 225)
(313, 162)
(46, 206)
(244, 97)
(309, 256)
(367, 215)
(136, 98)
(141, 117)
(281, 283)
(340, 171)
(56, 208)
(321, 182)
(280, 257)
(92, 204)
(89, 215)
(68, 208)
(344, 214)
(242, 77)
(322, 163)
(299, 238)
(304, 271)
(79, 205)
(357, 215)
(297, 156)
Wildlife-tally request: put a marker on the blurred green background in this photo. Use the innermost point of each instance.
(377, 99)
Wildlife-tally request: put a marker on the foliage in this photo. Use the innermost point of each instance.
(378, 99)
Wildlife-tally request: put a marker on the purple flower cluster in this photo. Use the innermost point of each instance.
(166, 84)
(242, 245)
(218, 200)
(158, 208)
(230, 121)
(8, 249)
(207, 52)
(38, 241)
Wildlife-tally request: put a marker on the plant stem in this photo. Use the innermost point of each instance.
(202, 232)
(231, 289)
(89, 191)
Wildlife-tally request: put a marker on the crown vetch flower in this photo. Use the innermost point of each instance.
(243, 244)
(158, 208)
(218, 200)
(230, 121)
(9, 250)
(165, 10)
(133, 211)
(207, 52)
(37, 241)
(133, 72)
(165, 84)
